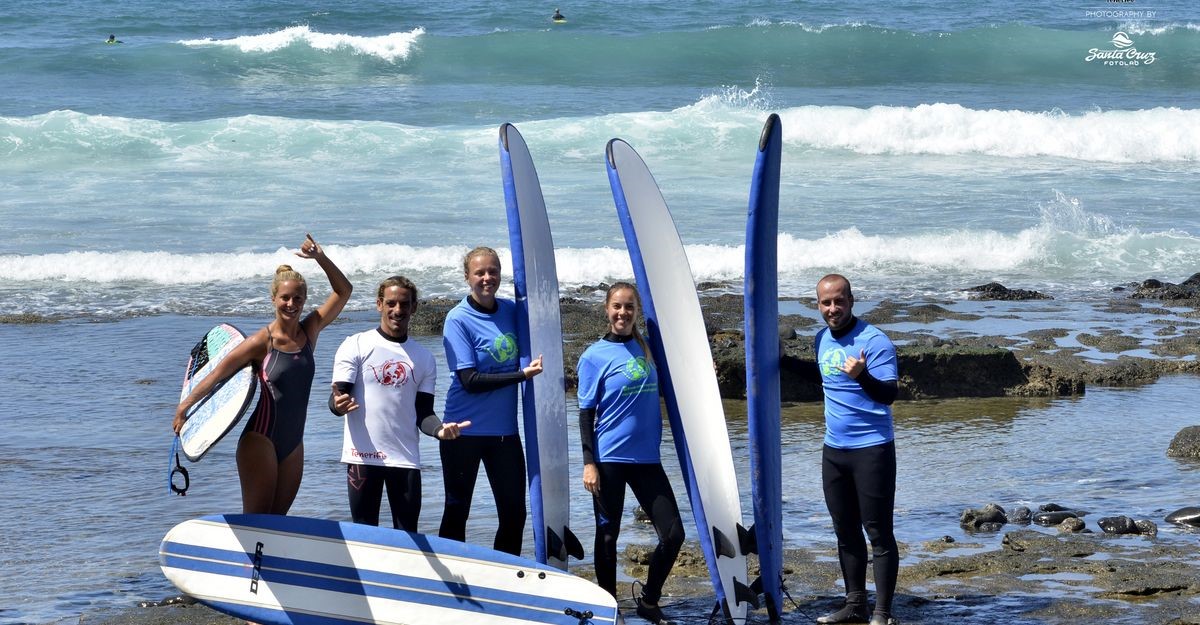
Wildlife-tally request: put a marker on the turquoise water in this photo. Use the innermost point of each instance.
(149, 189)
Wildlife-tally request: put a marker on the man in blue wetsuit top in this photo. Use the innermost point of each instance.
(856, 364)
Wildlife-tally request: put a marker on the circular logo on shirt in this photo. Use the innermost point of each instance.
(832, 361)
(391, 373)
(504, 348)
(636, 368)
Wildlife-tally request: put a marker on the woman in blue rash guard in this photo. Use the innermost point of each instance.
(620, 428)
(480, 339)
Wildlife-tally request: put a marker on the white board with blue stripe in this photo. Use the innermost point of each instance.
(286, 570)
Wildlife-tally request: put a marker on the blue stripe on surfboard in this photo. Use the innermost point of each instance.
(367, 583)
(761, 301)
(374, 535)
(664, 378)
(528, 401)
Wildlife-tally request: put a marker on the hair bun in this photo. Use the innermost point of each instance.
(283, 268)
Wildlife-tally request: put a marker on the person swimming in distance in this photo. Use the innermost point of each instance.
(113, 39)
(558, 16)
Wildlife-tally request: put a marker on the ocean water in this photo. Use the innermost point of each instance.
(149, 189)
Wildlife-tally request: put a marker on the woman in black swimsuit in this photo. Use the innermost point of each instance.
(270, 453)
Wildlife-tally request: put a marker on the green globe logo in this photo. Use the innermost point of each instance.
(636, 368)
(504, 348)
(831, 364)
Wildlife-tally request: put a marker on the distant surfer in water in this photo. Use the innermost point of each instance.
(270, 452)
(383, 384)
(856, 365)
(480, 339)
(620, 429)
(113, 39)
(558, 17)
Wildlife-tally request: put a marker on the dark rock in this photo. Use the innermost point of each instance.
(931, 373)
(1146, 527)
(1162, 290)
(1055, 517)
(1189, 516)
(989, 518)
(930, 367)
(1073, 525)
(1118, 525)
(1186, 443)
(997, 291)
(1021, 515)
(1052, 507)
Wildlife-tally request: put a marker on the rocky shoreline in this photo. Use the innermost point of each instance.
(931, 367)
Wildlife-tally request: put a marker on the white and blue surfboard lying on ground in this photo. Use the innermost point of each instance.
(284, 570)
(679, 344)
(539, 332)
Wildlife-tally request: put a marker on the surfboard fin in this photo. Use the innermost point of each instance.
(722, 545)
(564, 546)
(748, 539)
(744, 594)
(574, 547)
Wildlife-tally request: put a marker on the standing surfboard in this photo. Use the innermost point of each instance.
(539, 331)
(286, 570)
(761, 301)
(679, 343)
(215, 414)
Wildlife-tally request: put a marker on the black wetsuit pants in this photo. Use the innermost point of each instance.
(365, 485)
(860, 492)
(504, 461)
(652, 489)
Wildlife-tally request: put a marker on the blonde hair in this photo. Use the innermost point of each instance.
(283, 273)
(482, 250)
(637, 298)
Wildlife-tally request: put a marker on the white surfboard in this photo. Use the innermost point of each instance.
(285, 570)
(539, 331)
(679, 342)
(216, 413)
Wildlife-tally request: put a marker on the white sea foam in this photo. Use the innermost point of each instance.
(1158, 134)
(1142, 136)
(1146, 28)
(390, 47)
(1065, 242)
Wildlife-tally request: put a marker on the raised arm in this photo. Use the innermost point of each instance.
(324, 314)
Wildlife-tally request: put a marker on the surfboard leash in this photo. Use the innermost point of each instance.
(177, 469)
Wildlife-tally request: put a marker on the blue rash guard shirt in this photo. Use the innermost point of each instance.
(616, 380)
(852, 419)
(486, 342)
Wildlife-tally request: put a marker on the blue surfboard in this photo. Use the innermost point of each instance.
(286, 570)
(539, 331)
(679, 344)
(761, 291)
